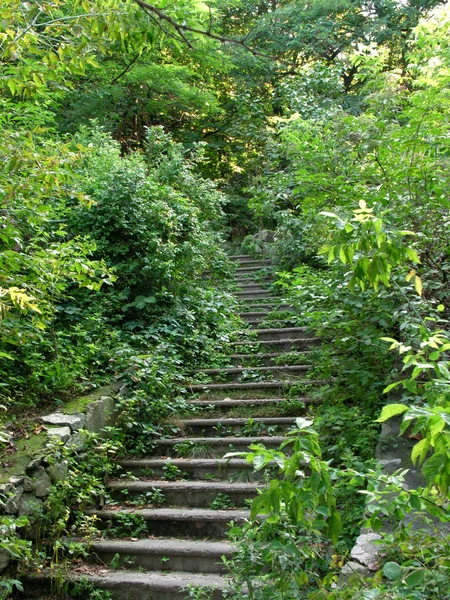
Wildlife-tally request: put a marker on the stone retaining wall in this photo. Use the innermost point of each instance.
(393, 452)
(28, 473)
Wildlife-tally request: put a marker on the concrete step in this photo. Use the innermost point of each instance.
(235, 372)
(228, 403)
(176, 522)
(285, 344)
(251, 286)
(194, 556)
(253, 315)
(249, 272)
(283, 322)
(186, 493)
(217, 445)
(195, 468)
(265, 359)
(132, 584)
(248, 261)
(252, 278)
(213, 427)
(278, 385)
(267, 306)
(247, 295)
(239, 257)
(276, 333)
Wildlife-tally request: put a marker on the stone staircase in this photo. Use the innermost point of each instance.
(200, 492)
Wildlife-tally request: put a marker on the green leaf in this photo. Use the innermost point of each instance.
(335, 526)
(420, 450)
(273, 519)
(392, 571)
(391, 386)
(415, 578)
(391, 410)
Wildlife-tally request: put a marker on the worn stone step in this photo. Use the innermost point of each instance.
(261, 314)
(285, 344)
(218, 445)
(253, 315)
(195, 468)
(256, 323)
(279, 385)
(132, 584)
(235, 372)
(248, 295)
(186, 493)
(252, 286)
(240, 257)
(194, 556)
(252, 278)
(252, 262)
(176, 522)
(276, 333)
(214, 427)
(227, 403)
(267, 306)
(264, 359)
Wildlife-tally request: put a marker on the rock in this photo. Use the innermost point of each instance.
(391, 463)
(35, 462)
(30, 506)
(75, 422)
(42, 482)
(76, 441)
(11, 501)
(63, 433)
(4, 559)
(355, 568)
(365, 551)
(99, 414)
(58, 471)
(6, 488)
(24, 481)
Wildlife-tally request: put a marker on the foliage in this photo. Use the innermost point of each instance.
(127, 525)
(276, 555)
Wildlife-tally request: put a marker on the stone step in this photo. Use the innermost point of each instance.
(285, 344)
(194, 556)
(186, 493)
(235, 372)
(239, 257)
(253, 315)
(252, 262)
(252, 286)
(212, 427)
(217, 445)
(244, 270)
(268, 306)
(195, 468)
(282, 322)
(276, 333)
(252, 278)
(279, 385)
(265, 359)
(132, 584)
(227, 403)
(260, 295)
(176, 522)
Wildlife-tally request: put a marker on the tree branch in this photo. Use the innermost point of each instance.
(181, 28)
(127, 68)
